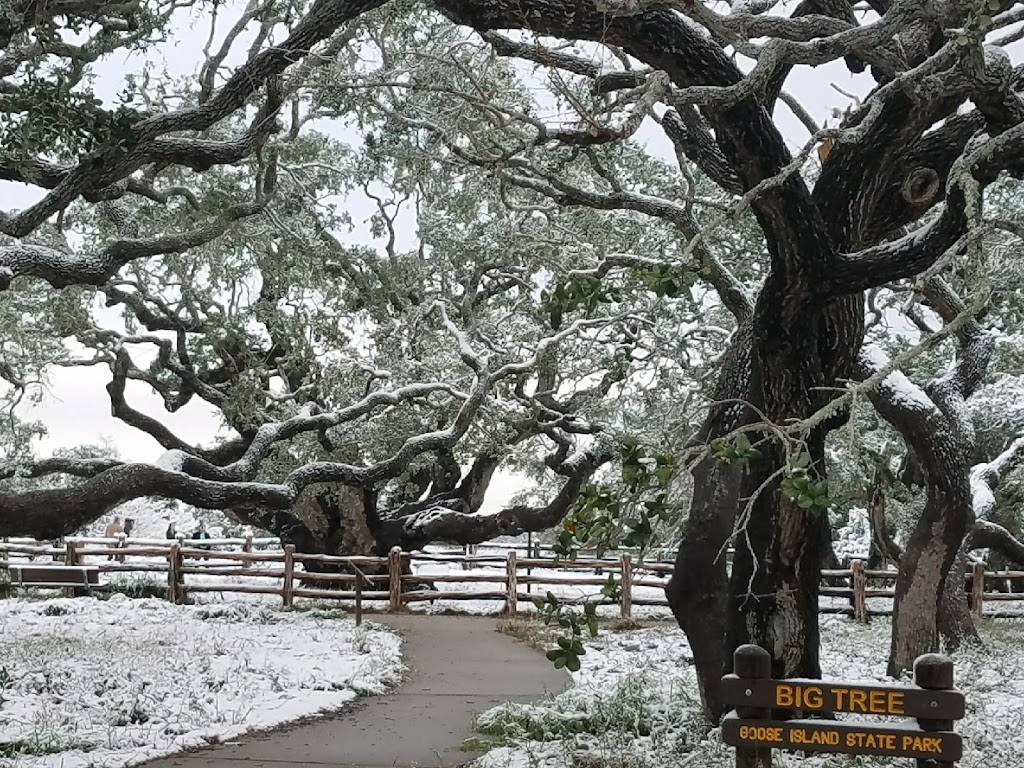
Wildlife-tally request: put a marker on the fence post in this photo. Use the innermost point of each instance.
(71, 552)
(626, 583)
(247, 548)
(860, 611)
(977, 588)
(173, 563)
(287, 591)
(70, 558)
(359, 595)
(752, 662)
(395, 579)
(512, 583)
(934, 672)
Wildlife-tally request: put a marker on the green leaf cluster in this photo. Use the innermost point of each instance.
(669, 280)
(568, 645)
(802, 485)
(977, 22)
(739, 449)
(584, 292)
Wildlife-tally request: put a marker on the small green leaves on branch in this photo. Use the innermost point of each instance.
(584, 292)
(739, 449)
(642, 471)
(58, 119)
(569, 646)
(593, 522)
(977, 23)
(612, 589)
(802, 486)
(588, 291)
(669, 280)
(600, 519)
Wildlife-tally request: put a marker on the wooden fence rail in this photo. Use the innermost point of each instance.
(191, 567)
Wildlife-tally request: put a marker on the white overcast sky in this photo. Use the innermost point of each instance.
(76, 409)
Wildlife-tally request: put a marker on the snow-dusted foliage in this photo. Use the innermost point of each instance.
(997, 411)
(852, 539)
(622, 713)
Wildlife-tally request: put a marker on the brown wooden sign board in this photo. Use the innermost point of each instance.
(856, 738)
(825, 696)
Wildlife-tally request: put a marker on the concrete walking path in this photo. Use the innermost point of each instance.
(458, 667)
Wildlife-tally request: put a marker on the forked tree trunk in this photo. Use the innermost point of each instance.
(771, 597)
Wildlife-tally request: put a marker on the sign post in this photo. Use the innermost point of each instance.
(933, 672)
(930, 706)
(751, 662)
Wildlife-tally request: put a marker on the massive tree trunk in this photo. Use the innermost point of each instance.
(775, 578)
(336, 517)
(339, 519)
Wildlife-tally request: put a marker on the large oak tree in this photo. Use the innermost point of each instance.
(900, 188)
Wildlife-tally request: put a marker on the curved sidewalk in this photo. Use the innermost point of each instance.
(458, 667)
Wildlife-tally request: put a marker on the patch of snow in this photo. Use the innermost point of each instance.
(900, 388)
(88, 682)
(172, 461)
(983, 500)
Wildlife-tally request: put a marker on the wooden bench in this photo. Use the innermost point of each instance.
(78, 577)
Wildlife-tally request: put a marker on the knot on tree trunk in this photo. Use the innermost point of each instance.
(922, 186)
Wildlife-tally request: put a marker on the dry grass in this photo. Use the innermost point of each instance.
(529, 631)
(541, 637)
(628, 625)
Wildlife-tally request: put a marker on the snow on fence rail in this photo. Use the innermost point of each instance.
(195, 567)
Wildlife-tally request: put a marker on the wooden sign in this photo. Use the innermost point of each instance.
(855, 738)
(822, 696)
(930, 705)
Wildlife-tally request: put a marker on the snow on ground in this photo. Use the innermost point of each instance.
(635, 704)
(86, 682)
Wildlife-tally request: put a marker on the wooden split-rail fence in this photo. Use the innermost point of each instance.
(190, 567)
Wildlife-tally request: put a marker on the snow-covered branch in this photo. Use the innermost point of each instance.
(985, 478)
(457, 523)
(108, 166)
(62, 269)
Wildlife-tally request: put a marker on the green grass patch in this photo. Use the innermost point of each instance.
(626, 708)
(135, 587)
(39, 745)
(478, 744)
